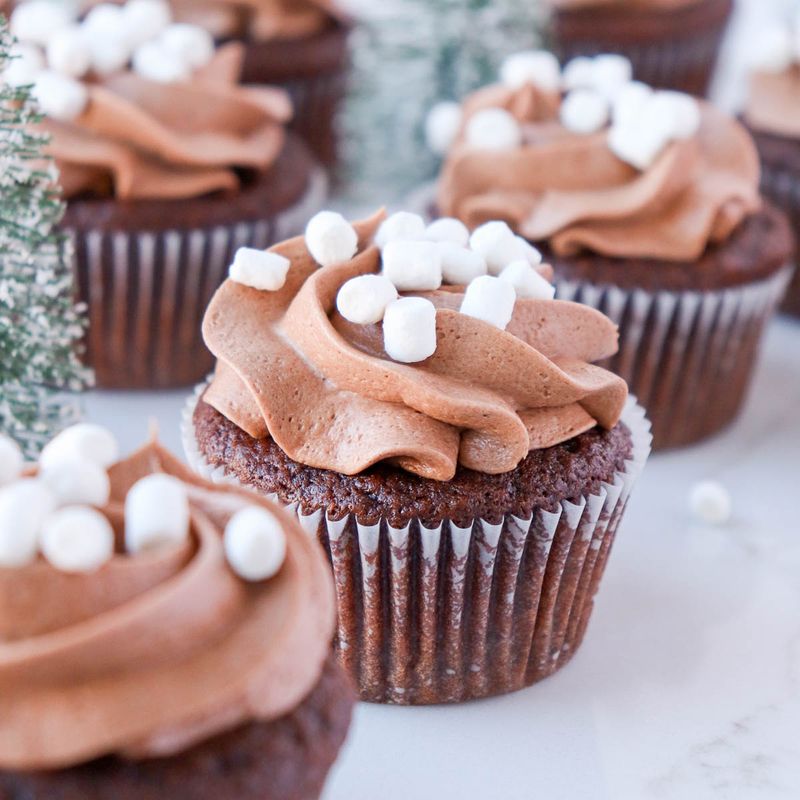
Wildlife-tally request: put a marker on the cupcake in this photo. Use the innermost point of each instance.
(160, 636)
(647, 205)
(673, 44)
(773, 118)
(441, 431)
(167, 166)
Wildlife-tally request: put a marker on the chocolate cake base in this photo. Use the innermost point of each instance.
(669, 48)
(287, 759)
(449, 591)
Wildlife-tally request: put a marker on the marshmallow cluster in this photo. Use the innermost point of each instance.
(55, 49)
(775, 47)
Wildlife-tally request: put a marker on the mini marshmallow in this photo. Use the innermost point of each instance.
(105, 19)
(491, 300)
(584, 111)
(83, 441)
(529, 252)
(493, 129)
(460, 265)
(11, 460)
(771, 49)
(402, 226)
(330, 238)
(639, 144)
(156, 514)
(145, 19)
(109, 52)
(255, 544)
(25, 65)
(62, 98)
(629, 103)
(409, 330)
(537, 67)
(442, 126)
(498, 244)
(77, 539)
(578, 74)
(191, 43)
(710, 502)
(68, 53)
(527, 282)
(611, 72)
(77, 482)
(259, 269)
(681, 111)
(37, 21)
(363, 300)
(24, 506)
(413, 266)
(448, 229)
(155, 62)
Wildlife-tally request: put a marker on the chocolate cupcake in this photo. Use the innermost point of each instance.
(647, 205)
(167, 168)
(673, 44)
(172, 638)
(461, 460)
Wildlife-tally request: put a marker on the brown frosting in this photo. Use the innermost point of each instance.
(290, 367)
(773, 104)
(157, 652)
(572, 191)
(138, 139)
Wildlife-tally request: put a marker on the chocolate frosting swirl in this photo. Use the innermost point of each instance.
(773, 103)
(290, 367)
(571, 190)
(159, 651)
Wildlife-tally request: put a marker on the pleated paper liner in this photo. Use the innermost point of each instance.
(147, 291)
(687, 356)
(447, 614)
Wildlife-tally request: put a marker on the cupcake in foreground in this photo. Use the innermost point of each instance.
(440, 429)
(673, 44)
(647, 205)
(772, 114)
(167, 166)
(172, 638)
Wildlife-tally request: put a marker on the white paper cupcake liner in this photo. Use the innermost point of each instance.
(446, 614)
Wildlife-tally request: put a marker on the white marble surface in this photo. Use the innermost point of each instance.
(688, 684)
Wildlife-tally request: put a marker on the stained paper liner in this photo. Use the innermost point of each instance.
(147, 291)
(447, 614)
(688, 356)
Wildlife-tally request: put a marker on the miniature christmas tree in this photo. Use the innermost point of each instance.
(40, 326)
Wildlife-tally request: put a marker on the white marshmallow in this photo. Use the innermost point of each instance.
(156, 513)
(459, 264)
(191, 43)
(611, 72)
(630, 102)
(363, 300)
(83, 441)
(330, 238)
(259, 269)
(771, 49)
(493, 129)
(77, 539)
(255, 544)
(77, 482)
(530, 253)
(578, 74)
(24, 506)
(527, 282)
(154, 62)
(639, 144)
(37, 21)
(413, 266)
(109, 52)
(25, 65)
(11, 460)
(68, 52)
(62, 98)
(105, 19)
(145, 19)
(497, 243)
(710, 502)
(442, 126)
(491, 300)
(584, 111)
(678, 110)
(401, 226)
(538, 67)
(448, 229)
(409, 330)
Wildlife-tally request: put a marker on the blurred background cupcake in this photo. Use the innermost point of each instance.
(671, 43)
(647, 205)
(167, 164)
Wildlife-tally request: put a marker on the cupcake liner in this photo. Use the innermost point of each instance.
(688, 356)
(147, 291)
(447, 614)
